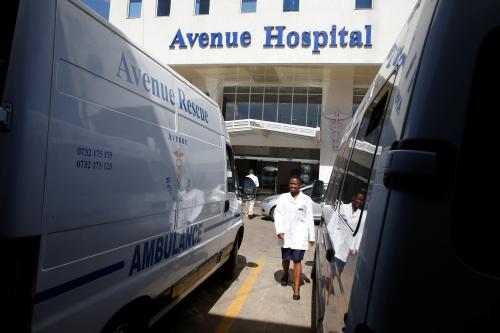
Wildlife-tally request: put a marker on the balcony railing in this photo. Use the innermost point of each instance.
(243, 125)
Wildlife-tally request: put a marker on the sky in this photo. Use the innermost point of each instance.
(100, 6)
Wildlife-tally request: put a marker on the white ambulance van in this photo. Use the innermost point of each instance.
(117, 180)
(422, 256)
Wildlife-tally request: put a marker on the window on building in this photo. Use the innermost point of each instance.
(248, 6)
(163, 8)
(134, 8)
(314, 111)
(299, 109)
(364, 4)
(288, 105)
(202, 7)
(242, 104)
(290, 5)
(256, 100)
(270, 109)
(285, 106)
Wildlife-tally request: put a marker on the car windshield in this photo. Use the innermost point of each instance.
(307, 191)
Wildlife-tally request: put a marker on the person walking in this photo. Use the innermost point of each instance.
(248, 207)
(294, 223)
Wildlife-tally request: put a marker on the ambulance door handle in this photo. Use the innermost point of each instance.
(420, 166)
(226, 206)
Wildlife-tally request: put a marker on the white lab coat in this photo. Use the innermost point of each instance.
(341, 227)
(294, 218)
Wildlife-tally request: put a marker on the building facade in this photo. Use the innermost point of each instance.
(288, 74)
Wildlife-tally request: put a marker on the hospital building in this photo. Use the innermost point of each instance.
(287, 74)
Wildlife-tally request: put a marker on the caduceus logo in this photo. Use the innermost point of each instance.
(178, 165)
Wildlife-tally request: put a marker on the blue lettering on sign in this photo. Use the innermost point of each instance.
(277, 37)
(154, 251)
(191, 107)
(93, 158)
(135, 76)
(177, 139)
(214, 39)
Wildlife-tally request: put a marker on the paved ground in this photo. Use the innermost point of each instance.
(255, 301)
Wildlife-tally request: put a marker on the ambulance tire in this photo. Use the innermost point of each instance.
(128, 321)
(229, 267)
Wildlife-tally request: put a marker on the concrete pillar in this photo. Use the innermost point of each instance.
(336, 113)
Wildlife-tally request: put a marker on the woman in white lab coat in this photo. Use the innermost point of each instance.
(293, 220)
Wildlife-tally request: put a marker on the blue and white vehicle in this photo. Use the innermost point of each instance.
(428, 255)
(117, 182)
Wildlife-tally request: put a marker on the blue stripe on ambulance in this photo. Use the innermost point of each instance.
(80, 281)
(67, 286)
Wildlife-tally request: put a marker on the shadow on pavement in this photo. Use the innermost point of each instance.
(192, 313)
(267, 218)
(303, 278)
(193, 310)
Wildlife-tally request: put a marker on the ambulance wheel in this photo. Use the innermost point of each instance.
(231, 263)
(127, 321)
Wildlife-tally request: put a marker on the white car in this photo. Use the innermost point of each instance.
(269, 204)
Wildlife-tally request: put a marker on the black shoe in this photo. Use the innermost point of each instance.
(251, 216)
(296, 297)
(284, 280)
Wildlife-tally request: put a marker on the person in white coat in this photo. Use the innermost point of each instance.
(342, 226)
(293, 220)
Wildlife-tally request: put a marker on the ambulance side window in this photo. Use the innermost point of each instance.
(365, 148)
(338, 172)
(230, 170)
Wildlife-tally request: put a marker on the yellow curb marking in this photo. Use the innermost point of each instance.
(235, 307)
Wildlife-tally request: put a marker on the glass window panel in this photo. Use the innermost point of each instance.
(360, 91)
(307, 191)
(202, 7)
(163, 8)
(271, 90)
(270, 107)
(314, 90)
(354, 108)
(228, 107)
(256, 106)
(353, 184)
(134, 8)
(285, 109)
(243, 90)
(357, 97)
(339, 169)
(232, 179)
(300, 90)
(299, 110)
(242, 104)
(248, 6)
(229, 90)
(257, 90)
(286, 90)
(362, 4)
(314, 111)
(290, 5)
